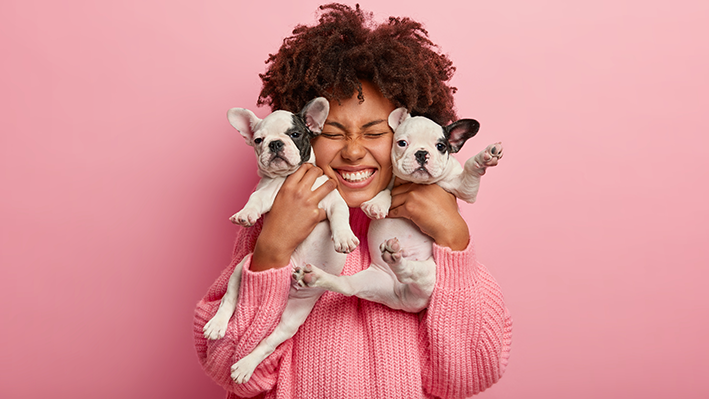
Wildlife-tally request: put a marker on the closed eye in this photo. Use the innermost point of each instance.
(375, 135)
(332, 136)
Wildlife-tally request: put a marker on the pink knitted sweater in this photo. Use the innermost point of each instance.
(353, 348)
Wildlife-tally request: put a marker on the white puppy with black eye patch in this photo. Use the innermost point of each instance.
(282, 143)
(402, 274)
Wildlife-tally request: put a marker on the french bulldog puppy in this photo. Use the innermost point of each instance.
(282, 143)
(402, 274)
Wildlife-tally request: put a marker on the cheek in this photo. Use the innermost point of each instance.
(382, 153)
(398, 152)
(323, 153)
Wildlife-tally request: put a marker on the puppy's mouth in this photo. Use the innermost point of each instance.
(421, 170)
(278, 158)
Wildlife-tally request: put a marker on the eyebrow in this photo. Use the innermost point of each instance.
(366, 125)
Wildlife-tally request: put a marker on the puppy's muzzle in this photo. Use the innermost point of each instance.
(421, 157)
(275, 146)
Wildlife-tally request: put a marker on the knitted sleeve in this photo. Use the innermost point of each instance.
(467, 331)
(262, 298)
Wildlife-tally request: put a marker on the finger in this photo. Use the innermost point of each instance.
(322, 216)
(300, 176)
(397, 199)
(297, 176)
(402, 188)
(398, 211)
(325, 189)
(311, 174)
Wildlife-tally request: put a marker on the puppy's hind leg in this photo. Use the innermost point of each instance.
(216, 327)
(294, 315)
(416, 278)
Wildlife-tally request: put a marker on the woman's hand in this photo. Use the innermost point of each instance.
(291, 219)
(434, 211)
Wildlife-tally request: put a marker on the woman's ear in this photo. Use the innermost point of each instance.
(315, 113)
(397, 116)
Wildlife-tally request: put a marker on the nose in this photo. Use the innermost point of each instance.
(275, 146)
(353, 150)
(421, 157)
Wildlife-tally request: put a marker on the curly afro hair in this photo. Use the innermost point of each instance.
(346, 46)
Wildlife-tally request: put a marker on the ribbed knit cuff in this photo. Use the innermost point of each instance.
(265, 288)
(455, 269)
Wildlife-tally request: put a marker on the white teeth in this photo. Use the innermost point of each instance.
(357, 176)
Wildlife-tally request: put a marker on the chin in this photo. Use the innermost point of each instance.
(355, 200)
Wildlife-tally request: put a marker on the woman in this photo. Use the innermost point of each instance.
(352, 348)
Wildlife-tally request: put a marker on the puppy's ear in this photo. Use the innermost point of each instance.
(244, 121)
(315, 113)
(460, 131)
(397, 116)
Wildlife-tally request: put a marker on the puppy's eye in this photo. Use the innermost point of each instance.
(258, 141)
(401, 143)
(295, 135)
(441, 147)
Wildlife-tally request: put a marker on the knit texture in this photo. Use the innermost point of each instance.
(353, 348)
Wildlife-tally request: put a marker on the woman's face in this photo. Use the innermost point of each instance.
(354, 147)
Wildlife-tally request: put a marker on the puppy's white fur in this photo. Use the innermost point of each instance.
(278, 156)
(402, 274)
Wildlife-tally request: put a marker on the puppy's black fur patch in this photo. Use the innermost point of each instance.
(301, 135)
(458, 132)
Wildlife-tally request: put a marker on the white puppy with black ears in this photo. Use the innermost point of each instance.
(402, 274)
(282, 143)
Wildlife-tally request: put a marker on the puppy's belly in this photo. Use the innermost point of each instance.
(415, 244)
(317, 249)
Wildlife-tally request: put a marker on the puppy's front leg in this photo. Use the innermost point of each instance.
(260, 202)
(378, 207)
(338, 214)
(486, 158)
(466, 185)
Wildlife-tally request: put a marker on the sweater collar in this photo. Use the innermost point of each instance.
(359, 222)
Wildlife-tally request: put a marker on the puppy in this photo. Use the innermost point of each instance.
(402, 274)
(282, 143)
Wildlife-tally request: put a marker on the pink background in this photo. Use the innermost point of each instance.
(119, 171)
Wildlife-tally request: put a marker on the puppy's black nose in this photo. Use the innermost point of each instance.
(421, 157)
(275, 146)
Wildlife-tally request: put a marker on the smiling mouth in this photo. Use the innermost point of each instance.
(356, 177)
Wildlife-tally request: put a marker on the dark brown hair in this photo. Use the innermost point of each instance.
(329, 59)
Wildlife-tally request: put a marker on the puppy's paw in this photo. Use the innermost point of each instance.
(344, 240)
(306, 275)
(297, 274)
(245, 217)
(486, 158)
(374, 210)
(216, 328)
(242, 370)
(378, 207)
(492, 154)
(391, 251)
